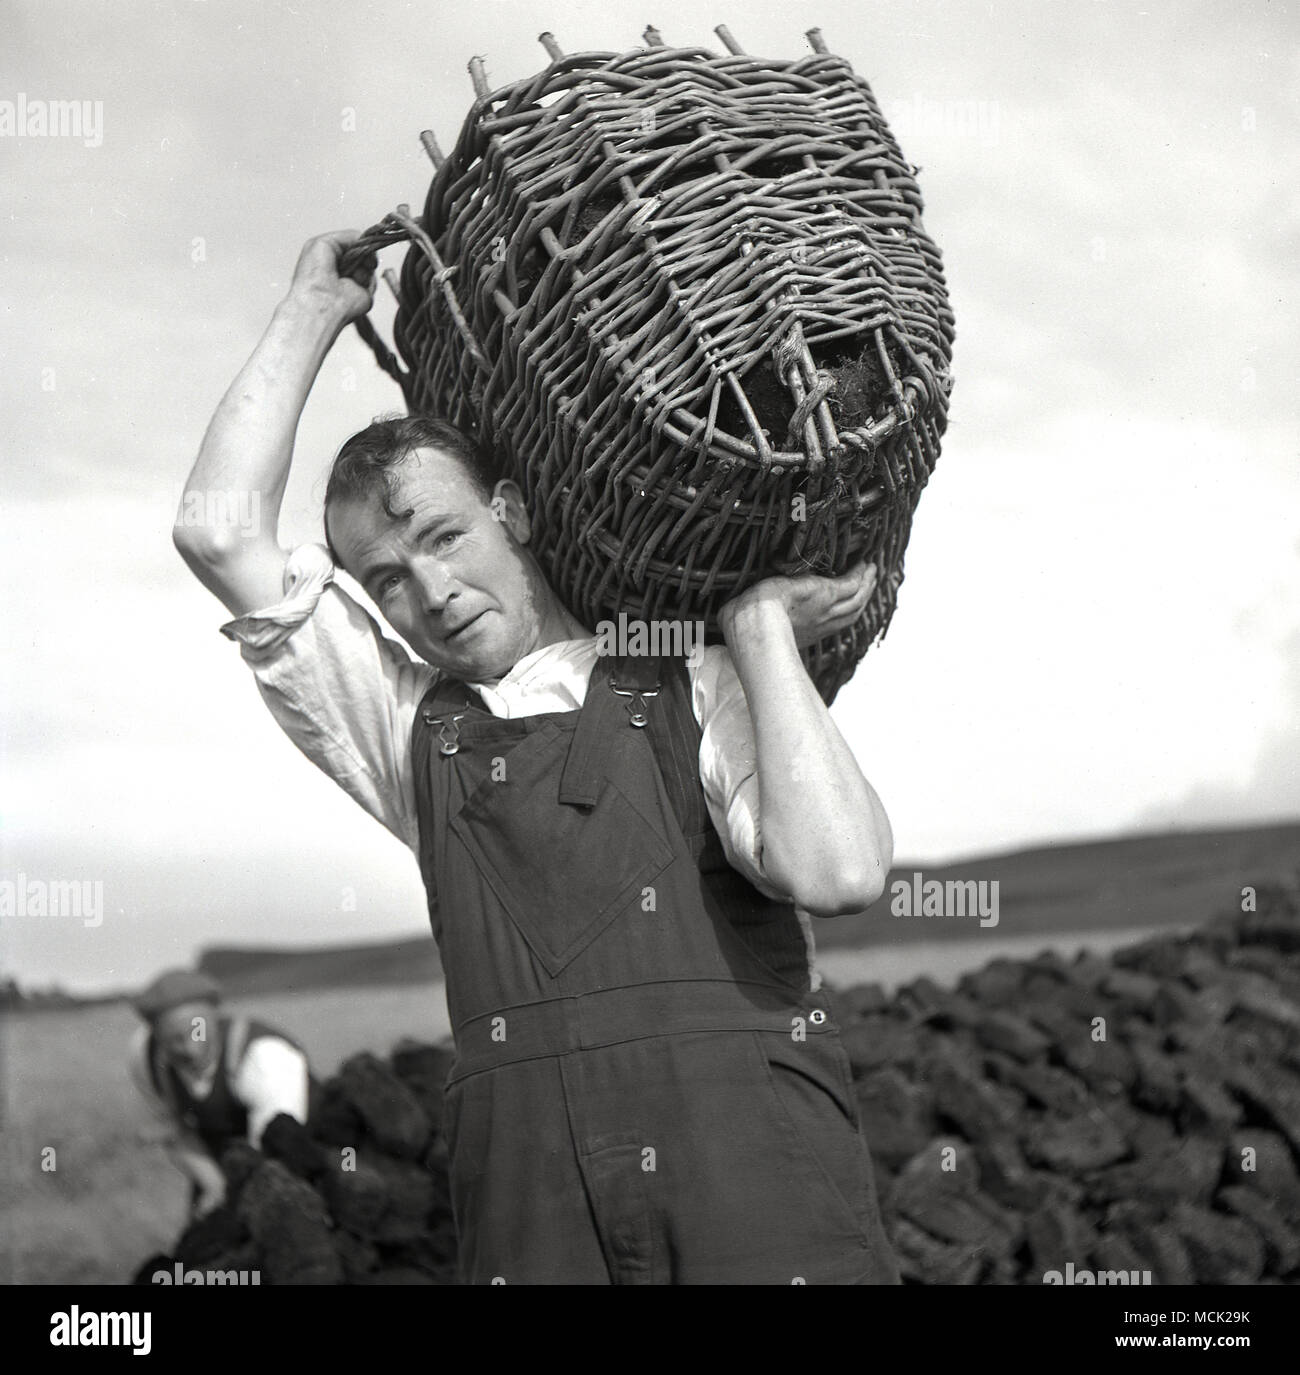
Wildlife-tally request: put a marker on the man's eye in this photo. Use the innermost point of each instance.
(387, 584)
(447, 539)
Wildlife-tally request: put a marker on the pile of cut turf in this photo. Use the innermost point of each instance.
(1136, 1118)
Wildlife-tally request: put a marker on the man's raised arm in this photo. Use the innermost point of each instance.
(243, 463)
(826, 841)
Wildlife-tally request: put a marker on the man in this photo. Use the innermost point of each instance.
(619, 857)
(212, 1079)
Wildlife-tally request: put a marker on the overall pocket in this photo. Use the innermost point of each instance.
(563, 873)
(808, 1097)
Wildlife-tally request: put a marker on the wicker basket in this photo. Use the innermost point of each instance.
(689, 300)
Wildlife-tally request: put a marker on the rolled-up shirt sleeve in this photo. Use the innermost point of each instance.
(273, 1078)
(729, 765)
(342, 691)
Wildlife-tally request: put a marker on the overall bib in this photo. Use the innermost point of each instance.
(645, 1090)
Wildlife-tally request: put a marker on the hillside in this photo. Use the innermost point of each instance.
(245, 972)
(1178, 878)
(1145, 881)
(1173, 879)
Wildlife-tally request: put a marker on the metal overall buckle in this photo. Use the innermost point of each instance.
(448, 730)
(636, 709)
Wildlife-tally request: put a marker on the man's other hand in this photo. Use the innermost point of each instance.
(816, 606)
(207, 1200)
(316, 277)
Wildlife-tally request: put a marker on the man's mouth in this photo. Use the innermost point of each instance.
(460, 629)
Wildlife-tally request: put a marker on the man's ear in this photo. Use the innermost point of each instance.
(508, 507)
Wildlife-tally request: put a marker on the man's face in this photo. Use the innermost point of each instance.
(188, 1035)
(452, 578)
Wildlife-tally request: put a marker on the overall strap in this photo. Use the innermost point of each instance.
(447, 695)
(617, 693)
(675, 738)
(446, 701)
(640, 692)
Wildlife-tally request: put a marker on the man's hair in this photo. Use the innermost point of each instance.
(366, 464)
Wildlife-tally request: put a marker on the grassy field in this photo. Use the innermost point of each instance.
(113, 1200)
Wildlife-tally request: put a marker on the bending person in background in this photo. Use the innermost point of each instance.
(213, 1079)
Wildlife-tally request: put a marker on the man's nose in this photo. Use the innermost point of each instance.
(435, 583)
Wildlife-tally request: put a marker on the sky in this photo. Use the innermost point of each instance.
(1099, 631)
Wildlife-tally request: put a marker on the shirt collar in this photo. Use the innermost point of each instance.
(540, 661)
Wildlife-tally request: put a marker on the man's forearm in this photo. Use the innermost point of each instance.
(243, 462)
(248, 447)
(197, 1166)
(825, 837)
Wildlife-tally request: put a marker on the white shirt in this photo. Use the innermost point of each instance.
(270, 1078)
(346, 695)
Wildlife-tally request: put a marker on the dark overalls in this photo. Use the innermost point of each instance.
(645, 1091)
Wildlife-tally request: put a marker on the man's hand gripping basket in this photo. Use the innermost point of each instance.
(688, 299)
